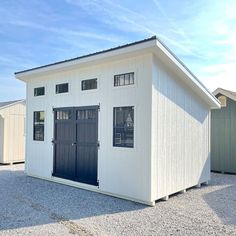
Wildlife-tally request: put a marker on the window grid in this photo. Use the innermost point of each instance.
(40, 91)
(62, 88)
(124, 79)
(39, 125)
(123, 127)
(89, 84)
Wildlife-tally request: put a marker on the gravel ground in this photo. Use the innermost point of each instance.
(30, 206)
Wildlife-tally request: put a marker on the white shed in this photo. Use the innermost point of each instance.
(130, 121)
(12, 132)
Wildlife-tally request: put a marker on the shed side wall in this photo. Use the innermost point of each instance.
(14, 133)
(223, 138)
(1, 137)
(180, 134)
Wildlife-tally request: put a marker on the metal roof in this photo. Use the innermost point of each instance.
(89, 55)
(9, 103)
(157, 45)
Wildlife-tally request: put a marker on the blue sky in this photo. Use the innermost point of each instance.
(201, 33)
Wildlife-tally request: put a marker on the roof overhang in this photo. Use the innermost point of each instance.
(226, 93)
(151, 45)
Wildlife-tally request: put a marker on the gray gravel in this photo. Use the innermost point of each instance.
(30, 206)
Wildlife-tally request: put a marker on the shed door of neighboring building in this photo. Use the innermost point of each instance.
(76, 144)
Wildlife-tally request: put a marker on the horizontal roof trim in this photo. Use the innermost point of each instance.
(89, 55)
(153, 44)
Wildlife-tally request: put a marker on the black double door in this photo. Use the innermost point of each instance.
(76, 144)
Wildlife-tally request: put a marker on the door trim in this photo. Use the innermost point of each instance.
(74, 120)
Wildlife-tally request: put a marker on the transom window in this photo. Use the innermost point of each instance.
(40, 91)
(123, 127)
(39, 125)
(86, 114)
(63, 115)
(89, 84)
(62, 88)
(124, 79)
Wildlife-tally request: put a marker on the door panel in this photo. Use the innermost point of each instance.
(64, 151)
(87, 145)
(75, 144)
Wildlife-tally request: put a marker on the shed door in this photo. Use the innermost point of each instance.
(87, 145)
(75, 144)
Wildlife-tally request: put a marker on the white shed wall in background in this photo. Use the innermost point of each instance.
(12, 133)
(180, 134)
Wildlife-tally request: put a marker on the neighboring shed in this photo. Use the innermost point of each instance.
(12, 131)
(130, 121)
(223, 133)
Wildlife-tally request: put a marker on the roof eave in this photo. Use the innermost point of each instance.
(12, 104)
(210, 98)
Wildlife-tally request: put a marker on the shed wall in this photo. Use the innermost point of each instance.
(180, 134)
(121, 171)
(12, 119)
(223, 138)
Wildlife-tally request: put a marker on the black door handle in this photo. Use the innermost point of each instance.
(73, 144)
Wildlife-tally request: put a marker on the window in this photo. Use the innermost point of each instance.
(123, 127)
(63, 115)
(222, 100)
(62, 88)
(124, 79)
(39, 125)
(86, 114)
(39, 91)
(89, 84)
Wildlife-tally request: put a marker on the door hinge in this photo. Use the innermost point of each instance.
(98, 182)
(99, 107)
(98, 144)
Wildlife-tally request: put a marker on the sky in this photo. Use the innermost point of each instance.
(201, 33)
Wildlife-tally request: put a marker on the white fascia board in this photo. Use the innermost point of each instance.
(195, 83)
(93, 59)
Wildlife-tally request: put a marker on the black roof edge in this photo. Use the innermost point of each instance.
(89, 55)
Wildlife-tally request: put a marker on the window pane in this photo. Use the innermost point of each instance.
(62, 88)
(39, 91)
(63, 115)
(39, 125)
(123, 126)
(89, 84)
(124, 79)
(86, 114)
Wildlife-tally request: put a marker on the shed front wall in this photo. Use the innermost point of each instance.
(121, 171)
(223, 138)
(180, 134)
(12, 128)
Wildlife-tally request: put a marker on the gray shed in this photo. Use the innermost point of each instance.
(223, 133)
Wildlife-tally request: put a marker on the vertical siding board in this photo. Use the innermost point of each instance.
(12, 133)
(183, 146)
(223, 138)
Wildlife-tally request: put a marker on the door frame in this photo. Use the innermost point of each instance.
(74, 109)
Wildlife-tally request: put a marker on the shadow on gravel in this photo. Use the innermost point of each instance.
(27, 201)
(223, 200)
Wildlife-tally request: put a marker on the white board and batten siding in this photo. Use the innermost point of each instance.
(12, 133)
(121, 171)
(171, 120)
(180, 134)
